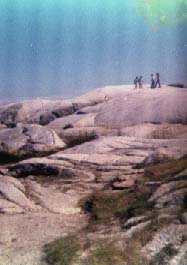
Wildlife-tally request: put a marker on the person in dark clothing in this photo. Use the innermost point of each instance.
(75, 107)
(152, 81)
(157, 82)
(136, 82)
(140, 82)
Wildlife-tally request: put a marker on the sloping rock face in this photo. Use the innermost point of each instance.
(41, 111)
(28, 140)
(155, 106)
(107, 168)
(35, 111)
(159, 114)
(115, 162)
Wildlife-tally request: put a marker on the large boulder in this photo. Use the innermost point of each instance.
(28, 140)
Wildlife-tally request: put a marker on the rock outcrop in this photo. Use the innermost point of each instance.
(109, 167)
(28, 140)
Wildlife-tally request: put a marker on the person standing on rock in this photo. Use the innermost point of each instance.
(136, 82)
(75, 107)
(157, 80)
(152, 81)
(140, 82)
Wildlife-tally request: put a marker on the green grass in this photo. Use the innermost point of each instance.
(68, 250)
(109, 253)
(104, 206)
(62, 251)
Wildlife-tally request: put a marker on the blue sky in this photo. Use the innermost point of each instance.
(67, 47)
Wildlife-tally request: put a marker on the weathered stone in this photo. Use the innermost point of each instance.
(123, 184)
(170, 234)
(134, 221)
(137, 228)
(7, 207)
(175, 198)
(53, 200)
(168, 188)
(12, 190)
(29, 140)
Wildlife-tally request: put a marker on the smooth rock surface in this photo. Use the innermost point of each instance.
(29, 140)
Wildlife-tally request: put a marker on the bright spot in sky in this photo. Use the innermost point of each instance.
(164, 12)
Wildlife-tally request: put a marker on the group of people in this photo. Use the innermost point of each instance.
(155, 81)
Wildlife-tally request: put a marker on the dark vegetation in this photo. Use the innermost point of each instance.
(110, 253)
(62, 251)
(164, 171)
(68, 250)
(106, 205)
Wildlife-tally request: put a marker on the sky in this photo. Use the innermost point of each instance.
(68, 47)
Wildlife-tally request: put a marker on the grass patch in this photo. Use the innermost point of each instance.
(109, 253)
(104, 206)
(62, 251)
(164, 255)
(69, 250)
(164, 171)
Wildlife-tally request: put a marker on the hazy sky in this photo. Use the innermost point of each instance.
(67, 47)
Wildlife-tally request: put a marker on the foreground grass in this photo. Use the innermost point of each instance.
(109, 253)
(68, 251)
(62, 251)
